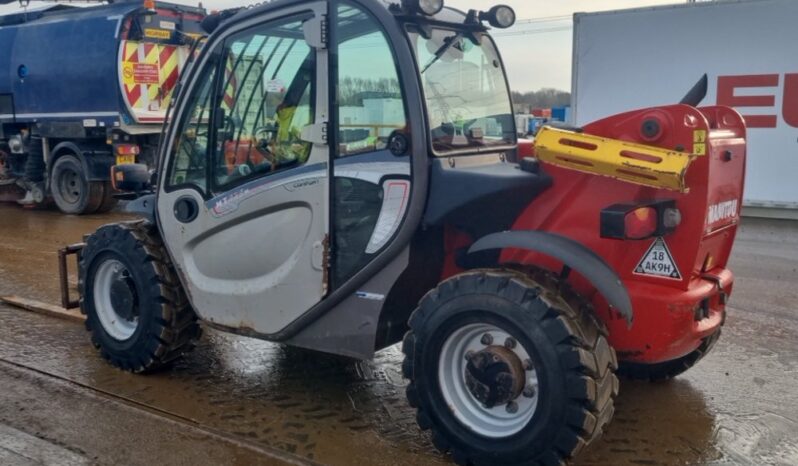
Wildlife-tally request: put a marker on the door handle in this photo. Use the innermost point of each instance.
(186, 209)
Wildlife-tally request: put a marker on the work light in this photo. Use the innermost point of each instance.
(500, 16)
(425, 7)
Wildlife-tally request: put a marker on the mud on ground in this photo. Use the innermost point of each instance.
(241, 401)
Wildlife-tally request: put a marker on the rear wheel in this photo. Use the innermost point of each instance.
(108, 200)
(668, 369)
(72, 192)
(509, 368)
(136, 310)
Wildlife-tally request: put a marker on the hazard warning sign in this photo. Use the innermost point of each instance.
(658, 262)
(140, 73)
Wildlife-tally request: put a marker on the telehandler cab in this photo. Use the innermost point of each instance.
(343, 175)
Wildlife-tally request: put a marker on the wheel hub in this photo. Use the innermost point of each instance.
(123, 297)
(115, 299)
(488, 380)
(495, 376)
(70, 186)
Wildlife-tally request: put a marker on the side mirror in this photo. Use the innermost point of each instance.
(211, 22)
(222, 121)
(132, 178)
(313, 30)
(225, 126)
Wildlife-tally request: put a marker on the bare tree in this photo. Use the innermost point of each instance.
(544, 98)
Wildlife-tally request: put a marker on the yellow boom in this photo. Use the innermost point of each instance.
(635, 163)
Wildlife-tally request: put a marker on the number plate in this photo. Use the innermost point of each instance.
(658, 262)
(125, 159)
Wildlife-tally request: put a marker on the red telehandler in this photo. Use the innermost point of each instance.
(345, 175)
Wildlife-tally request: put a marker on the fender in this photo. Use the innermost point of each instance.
(572, 254)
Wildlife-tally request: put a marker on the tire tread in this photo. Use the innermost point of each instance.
(174, 328)
(580, 339)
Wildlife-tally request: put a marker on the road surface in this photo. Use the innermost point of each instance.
(241, 401)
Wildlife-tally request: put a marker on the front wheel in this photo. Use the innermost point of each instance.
(136, 310)
(509, 368)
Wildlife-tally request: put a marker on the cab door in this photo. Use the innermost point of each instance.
(244, 201)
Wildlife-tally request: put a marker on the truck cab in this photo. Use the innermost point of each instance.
(84, 89)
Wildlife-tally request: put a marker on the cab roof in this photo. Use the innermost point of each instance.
(448, 15)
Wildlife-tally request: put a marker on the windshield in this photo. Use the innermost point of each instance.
(467, 99)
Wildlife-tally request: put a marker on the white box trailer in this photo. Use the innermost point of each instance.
(628, 59)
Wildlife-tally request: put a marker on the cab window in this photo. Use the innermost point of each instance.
(370, 104)
(370, 109)
(268, 89)
(191, 149)
(466, 92)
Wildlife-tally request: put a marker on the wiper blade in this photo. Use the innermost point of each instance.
(448, 44)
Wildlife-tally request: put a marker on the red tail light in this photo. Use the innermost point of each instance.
(640, 223)
(127, 149)
(640, 220)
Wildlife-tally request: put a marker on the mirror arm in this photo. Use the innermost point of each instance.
(315, 32)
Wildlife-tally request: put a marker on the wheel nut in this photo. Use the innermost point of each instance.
(529, 392)
(512, 407)
(509, 343)
(528, 365)
(469, 354)
(487, 339)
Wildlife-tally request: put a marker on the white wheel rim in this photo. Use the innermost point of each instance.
(115, 325)
(496, 422)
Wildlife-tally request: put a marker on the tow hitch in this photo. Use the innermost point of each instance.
(723, 296)
(63, 272)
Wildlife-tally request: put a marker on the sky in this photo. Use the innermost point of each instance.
(537, 53)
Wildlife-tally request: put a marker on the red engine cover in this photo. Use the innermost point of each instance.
(699, 245)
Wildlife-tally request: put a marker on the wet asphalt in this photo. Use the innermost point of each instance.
(236, 400)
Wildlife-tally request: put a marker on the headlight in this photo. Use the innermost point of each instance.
(501, 16)
(425, 7)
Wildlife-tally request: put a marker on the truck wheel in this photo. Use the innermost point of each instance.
(509, 368)
(108, 200)
(138, 315)
(72, 192)
(669, 369)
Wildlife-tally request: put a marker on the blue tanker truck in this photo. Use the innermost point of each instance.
(82, 89)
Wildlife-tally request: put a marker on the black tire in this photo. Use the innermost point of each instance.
(108, 200)
(667, 370)
(569, 345)
(165, 327)
(72, 192)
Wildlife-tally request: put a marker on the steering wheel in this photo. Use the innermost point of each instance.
(268, 131)
(265, 138)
